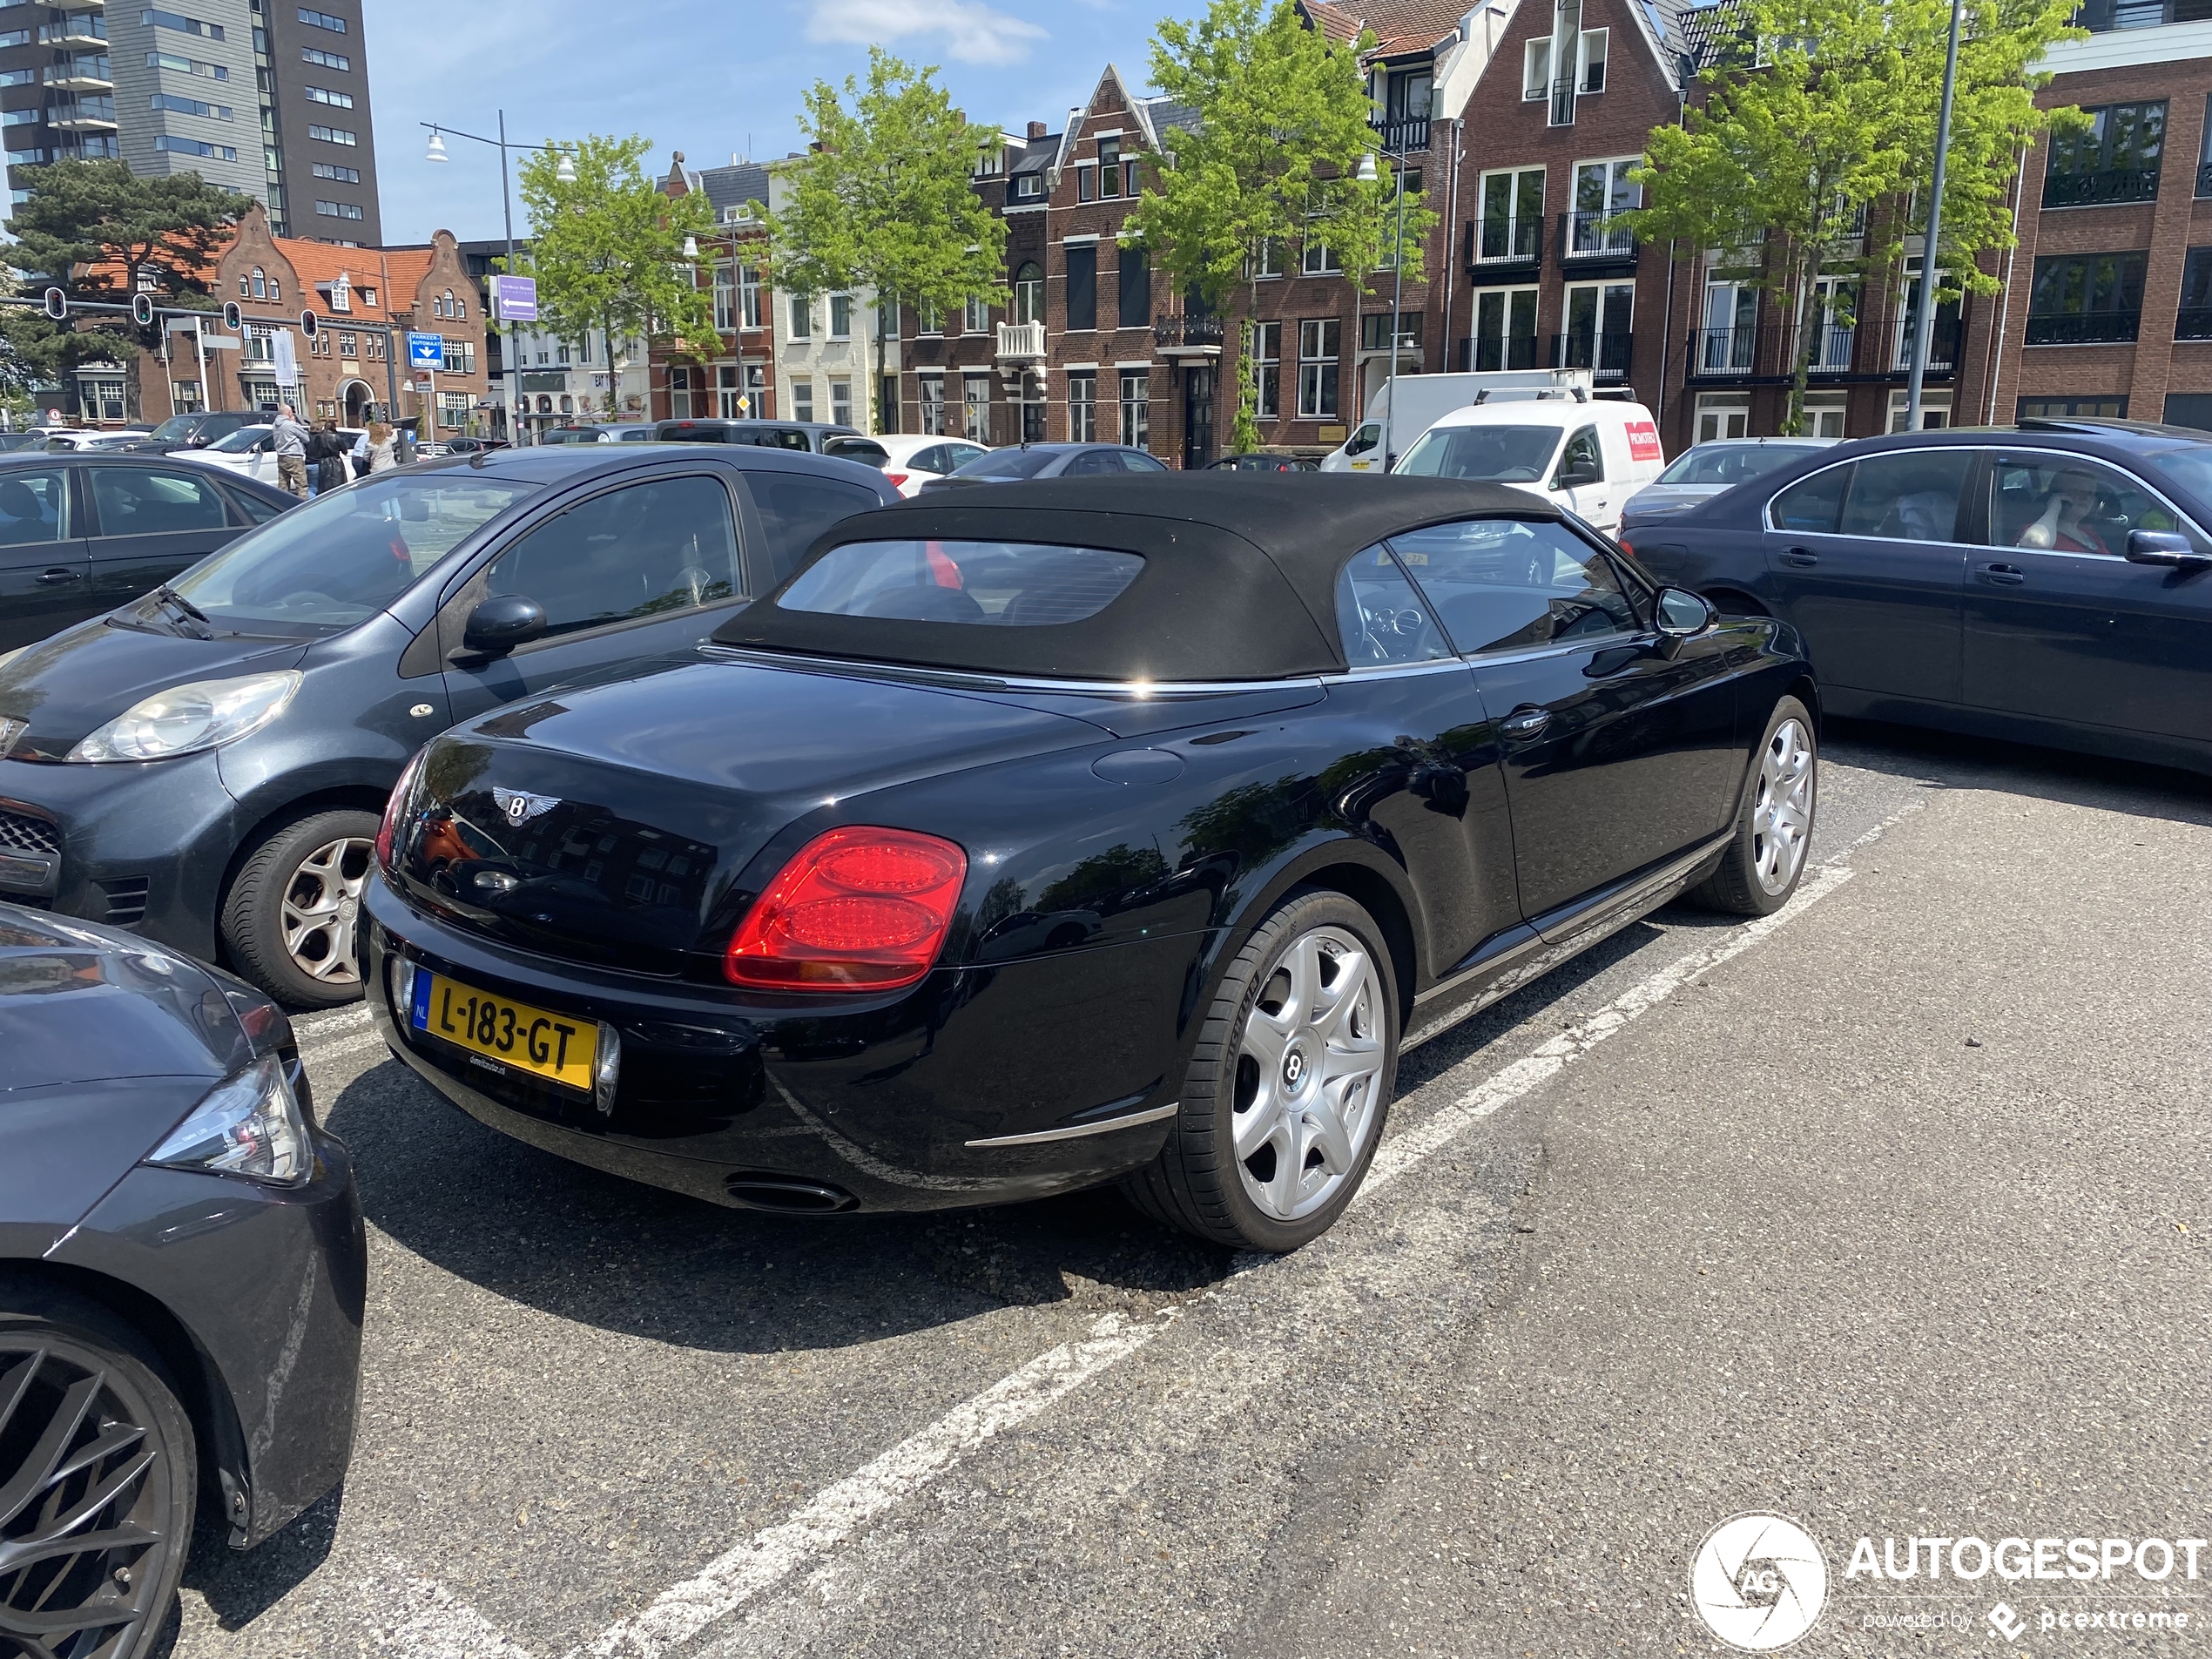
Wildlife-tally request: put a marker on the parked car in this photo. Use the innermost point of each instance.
(1404, 406)
(1036, 461)
(1702, 473)
(913, 459)
(467, 446)
(65, 442)
(812, 435)
(182, 1276)
(966, 960)
(12, 442)
(250, 451)
(80, 535)
(1587, 457)
(196, 430)
(1262, 461)
(2051, 584)
(576, 434)
(207, 764)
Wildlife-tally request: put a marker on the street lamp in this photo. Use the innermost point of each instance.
(1367, 175)
(1923, 302)
(565, 172)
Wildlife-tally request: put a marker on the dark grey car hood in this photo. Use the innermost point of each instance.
(83, 677)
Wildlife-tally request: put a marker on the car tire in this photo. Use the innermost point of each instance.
(62, 1357)
(1267, 1150)
(1766, 857)
(290, 918)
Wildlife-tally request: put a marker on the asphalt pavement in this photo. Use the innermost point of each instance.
(1883, 1216)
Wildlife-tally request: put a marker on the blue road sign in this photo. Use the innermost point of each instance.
(426, 351)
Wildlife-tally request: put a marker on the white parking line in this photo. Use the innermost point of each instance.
(837, 1512)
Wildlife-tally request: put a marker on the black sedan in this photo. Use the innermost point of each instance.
(1102, 830)
(81, 534)
(182, 1273)
(1036, 460)
(2050, 583)
(208, 765)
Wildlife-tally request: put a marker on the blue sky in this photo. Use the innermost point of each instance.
(704, 77)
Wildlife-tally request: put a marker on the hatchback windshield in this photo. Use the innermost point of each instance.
(239, 442)
(1725, 464)
(343, 557)
(1495, 455)
(1008, 464)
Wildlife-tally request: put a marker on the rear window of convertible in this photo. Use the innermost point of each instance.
(1006, 584)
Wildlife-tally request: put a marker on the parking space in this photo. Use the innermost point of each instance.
(1717, 1217)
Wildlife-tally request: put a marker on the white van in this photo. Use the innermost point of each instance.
(1589, 457)
(1404, 406)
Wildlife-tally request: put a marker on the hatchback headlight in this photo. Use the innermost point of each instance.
(249, 1124)
(184, 718)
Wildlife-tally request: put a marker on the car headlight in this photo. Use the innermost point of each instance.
(186, 717)
(249, 1124)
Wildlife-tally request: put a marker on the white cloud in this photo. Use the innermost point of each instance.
(968, 32)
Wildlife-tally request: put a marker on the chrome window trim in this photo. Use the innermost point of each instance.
(963, 680)
(1392, 670)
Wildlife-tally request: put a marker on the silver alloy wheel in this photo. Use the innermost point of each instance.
(1781, 816)
(1309, 1075)
(322, 909)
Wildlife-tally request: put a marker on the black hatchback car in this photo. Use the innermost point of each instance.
(182, 1274)
(2050, 582)
(1179, 807)
(207, 766)
(81, 534)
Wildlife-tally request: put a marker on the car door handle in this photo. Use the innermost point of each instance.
(55, 578)
(1804, 557)
(2004, 576)
(1525, 721)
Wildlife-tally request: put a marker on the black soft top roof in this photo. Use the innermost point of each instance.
(1239, 577)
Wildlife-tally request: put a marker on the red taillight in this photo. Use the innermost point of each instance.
(1621, 541)
(858, 909)
(896, 480)
(395, 810)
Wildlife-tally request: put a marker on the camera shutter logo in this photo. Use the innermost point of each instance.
(1758, 1581)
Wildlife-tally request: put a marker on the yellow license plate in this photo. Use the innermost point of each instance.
(559, 1046)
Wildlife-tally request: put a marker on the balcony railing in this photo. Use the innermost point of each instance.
(1563, 101)
(1506, 242)
(1943, 345)
(1191, 331)
(2084, 328)
(1490, 353)
(1723, 352)
(1592, 234)
(2100, 16)
(1832, 347)
(2194, 322)
(85, 74)
(85, 29)
(86, 115)
(1020, 342)
(1605, 356)
(1402, 135)
(2111, 186)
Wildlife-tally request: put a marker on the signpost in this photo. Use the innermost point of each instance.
(426, 352)
(515, 298)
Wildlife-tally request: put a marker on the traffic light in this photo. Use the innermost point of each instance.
(142, 310)
(308, 324)
(233, 317)
(57, 304)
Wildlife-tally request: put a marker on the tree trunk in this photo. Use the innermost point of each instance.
(1807, 269)
(875, 392)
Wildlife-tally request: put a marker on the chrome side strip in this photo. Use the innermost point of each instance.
(955, 679)
(1130, 1120)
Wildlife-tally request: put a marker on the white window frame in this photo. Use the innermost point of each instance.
(932, 407)
(1582, 58)
(1511, 178)
(1267, 353)
(748, 296)
(802, 398)
(1135, 412)
(975, 411)
(800, 312)
(1537, 83)
(1320, 348)
(1935, 410)
(1721, 415)
(1083, 411)
(1819, 406)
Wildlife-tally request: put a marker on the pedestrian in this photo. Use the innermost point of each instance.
(383, 447)
(290, 439)
(359, 453)
(328, 450)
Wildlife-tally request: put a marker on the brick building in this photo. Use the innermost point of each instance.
(345, 374)
(742, 381)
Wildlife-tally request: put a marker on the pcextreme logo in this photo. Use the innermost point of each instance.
(1758, 1581)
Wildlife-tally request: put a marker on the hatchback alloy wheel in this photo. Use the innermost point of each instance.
(1782, 814)
(322, 910)
(292, 917)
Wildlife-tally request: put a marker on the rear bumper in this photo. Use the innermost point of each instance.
(142, 846)
(269, 1285)
(880, 1102)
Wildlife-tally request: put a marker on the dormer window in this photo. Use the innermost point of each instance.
(1028, 187)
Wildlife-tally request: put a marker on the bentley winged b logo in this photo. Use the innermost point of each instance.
(520, 805)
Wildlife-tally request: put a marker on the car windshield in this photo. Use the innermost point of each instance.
(1495, 455)
(334, 561)
(1726, 464)
(1007, 463)
(2190, 467)
(176, 429)
(1012, 585)
(239, 441)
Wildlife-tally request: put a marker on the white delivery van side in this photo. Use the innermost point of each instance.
(1587, 457)
(1405, 406)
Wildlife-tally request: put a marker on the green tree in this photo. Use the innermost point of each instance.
(1814, 125)
(884, 199)
(100, 232)
(1270, 165)
(607, 249)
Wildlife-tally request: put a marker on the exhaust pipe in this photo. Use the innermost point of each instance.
(786, 1195)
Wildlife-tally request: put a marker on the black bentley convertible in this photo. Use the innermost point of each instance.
(1091, 832)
